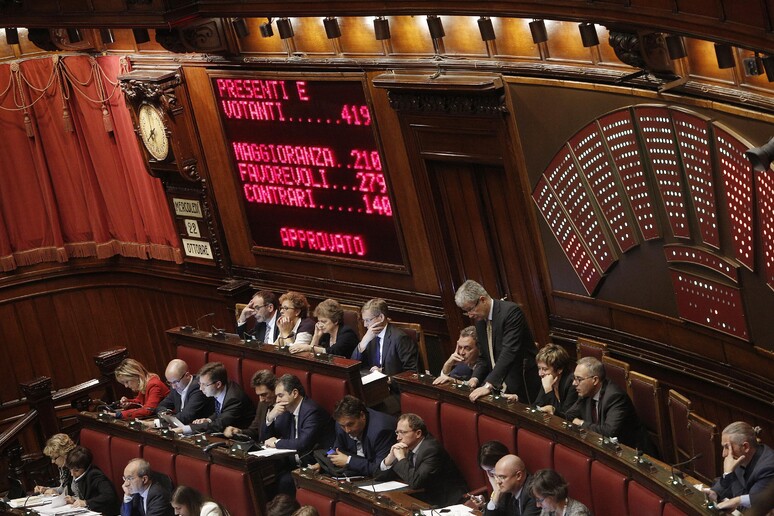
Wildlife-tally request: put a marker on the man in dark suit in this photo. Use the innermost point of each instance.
(90, 487)
(185, 398)
(420, 461)
(384, 347)
(261, 313)
(604, 408)
(748, 468)
(363, 437)
(264, 382)
(296, 423)
(232, 406)
(506, 342)
(144, 493)
(511, 495)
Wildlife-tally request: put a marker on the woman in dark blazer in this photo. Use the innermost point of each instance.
(558, 393)
(330, 334)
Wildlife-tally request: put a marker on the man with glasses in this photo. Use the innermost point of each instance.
(604, 408)
(507, 346)
(146, 493)
(419, 460)
(511, 495)
(384, 347)
(232, 406)
(261, 312)
(185, 398)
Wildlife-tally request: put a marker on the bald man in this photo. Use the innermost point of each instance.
(184, 398)
(511, 495)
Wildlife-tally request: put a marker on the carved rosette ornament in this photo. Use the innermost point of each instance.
(107, 361)
(161, 92)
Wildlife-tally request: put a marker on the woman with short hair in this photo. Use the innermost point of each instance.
(330, 334)
(57, 447)
(295, 327)
(549, 489)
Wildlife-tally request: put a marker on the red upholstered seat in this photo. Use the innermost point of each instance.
(590, 348)
(195, 358)
(426, 408)
(643, 501)
(99, 444)
(249, 368)
(232, 488)
(575, 467)
(464, 425)
(535, 450)
(609, 493)
(343, 509)
(491, 429)
(327, 390)
(618, 372)
(121, 452)
(160, 460)
(302, 375)
(193, 473)
(324, 505)
(671, 510)
(232, 364)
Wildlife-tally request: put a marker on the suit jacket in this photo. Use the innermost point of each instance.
(346, 342)
(98, 492)
(399, 353)
(507, 503)
(433, 471)
(159, 498)
(255, 430)
(377, 439)
(617, 417)
(761, 475)
(155, 391)
(514, 350)
(315, 430)
(197, 405)
(574, 508)
(567, 392)
(258, 331)
(237, 410)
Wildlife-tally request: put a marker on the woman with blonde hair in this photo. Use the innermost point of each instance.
(330, 335)
(57, 447)
(295, 326)
(148, 386)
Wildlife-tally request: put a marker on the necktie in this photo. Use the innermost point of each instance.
(268, 335)
(489, 341)
(294, 422)
(594, 411)
(217, 408)
(359, 448)
(378, 351)
(516, 506)
(410, 457)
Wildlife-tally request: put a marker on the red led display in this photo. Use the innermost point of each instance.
(306, 159)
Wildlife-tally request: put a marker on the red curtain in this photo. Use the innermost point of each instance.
(74, 189)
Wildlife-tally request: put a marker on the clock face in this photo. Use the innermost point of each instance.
(153, 132)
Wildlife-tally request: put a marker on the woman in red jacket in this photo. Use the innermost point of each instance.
(148, 386)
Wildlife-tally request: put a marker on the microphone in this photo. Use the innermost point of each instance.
(220, 444)
(677, 476)
(211, 314)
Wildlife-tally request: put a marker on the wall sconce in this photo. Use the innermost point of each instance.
(240, 27)
(675, 47)
(381, 28)
(761, 157)
(141, 35)
(725, 56)
(266, 30)
(538, 30)
(768, 65)
(588, 32)
(74, 35)
(332, 29)
(285, 28)
(107, 36)
(486, 29)
(12, 36)
(435, 25)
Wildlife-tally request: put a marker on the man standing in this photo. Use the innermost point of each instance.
(185, 398)
(460, 364)
(604, 408)
(511, 496)
(420, 461)
(263, 310)
(144, 493)
(506, 342)
(384, 347)
(264, 382)
(748, 468)
(363, 437)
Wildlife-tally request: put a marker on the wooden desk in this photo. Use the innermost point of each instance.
(241, 484)
(327, 365)
(655, 477)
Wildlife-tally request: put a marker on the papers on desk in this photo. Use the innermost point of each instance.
(452, 510)
(32, 501)
(270, 452)
(381, 487)
(66, 510)
(372, 377)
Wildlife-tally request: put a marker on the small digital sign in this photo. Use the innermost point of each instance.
(306, 159)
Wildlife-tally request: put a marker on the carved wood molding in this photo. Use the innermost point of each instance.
(425, 102)
(140, 85)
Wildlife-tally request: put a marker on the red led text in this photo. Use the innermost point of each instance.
(253, 110)
(371, 182)
(284, 175)
(280, 195)
(377, 204)
(356, 115)
(338, 243)
(366, 160)
(251, 89)
(284, 154)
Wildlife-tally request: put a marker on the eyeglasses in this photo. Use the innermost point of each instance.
(368, 321)
(207, 384)
(403, 432)
(129, 478)
(258, 307)
(579, 379)
(468, 311)
(539, 500)
(175, 382)
(286, 308)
